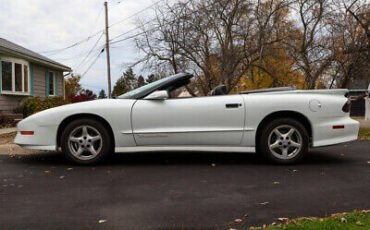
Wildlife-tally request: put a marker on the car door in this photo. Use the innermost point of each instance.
(213, 120)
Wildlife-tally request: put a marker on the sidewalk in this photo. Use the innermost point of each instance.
(7, 130)
(364, 124)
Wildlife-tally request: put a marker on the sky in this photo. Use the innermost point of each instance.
(46, 25)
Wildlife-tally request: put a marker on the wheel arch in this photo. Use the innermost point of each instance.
(284, 114)
(73, 117)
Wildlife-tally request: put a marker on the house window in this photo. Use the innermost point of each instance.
(6, 75)
(52, 83)
(14, 76)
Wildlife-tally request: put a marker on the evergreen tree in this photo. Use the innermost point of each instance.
(140, 81)
(102, 94)
(125, 83)
(151, 78)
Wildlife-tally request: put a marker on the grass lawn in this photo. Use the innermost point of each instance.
(364, 133)
(6, 135)
(358, 118)
(353, 220)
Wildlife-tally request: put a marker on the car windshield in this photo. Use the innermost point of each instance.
(142, 88)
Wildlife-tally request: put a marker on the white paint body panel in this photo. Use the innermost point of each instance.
(189, 121)
(197, 124)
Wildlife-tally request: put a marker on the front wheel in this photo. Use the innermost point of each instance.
(284, 141)
(85, 141)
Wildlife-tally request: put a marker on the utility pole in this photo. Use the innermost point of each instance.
(107, 48)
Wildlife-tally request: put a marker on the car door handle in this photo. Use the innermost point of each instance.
(233, 106)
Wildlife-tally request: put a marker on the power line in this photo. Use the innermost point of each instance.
(92, 63)
(138, 12)
(79, 56)
(74, 44)
(145, 31)
(55, 51)
(88, 54)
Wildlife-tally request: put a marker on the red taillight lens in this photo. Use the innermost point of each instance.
(338, 127)
(347, 107)
(27, 132)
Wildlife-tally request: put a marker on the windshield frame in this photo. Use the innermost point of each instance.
(161, 84)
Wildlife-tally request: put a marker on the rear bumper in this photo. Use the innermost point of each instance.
(324, 134)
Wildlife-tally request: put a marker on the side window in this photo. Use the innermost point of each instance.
(18, 77)
(14, 76)
(51, 84)
(6, 74)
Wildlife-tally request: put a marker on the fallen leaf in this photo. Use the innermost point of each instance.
(343, 220)
(273, 223)
(232, 229)
(282, 219)
(368, 162)
(294, 170)
(61, 177)
(238, 220)
(276, 182)
(359, 223)
(213, 165)
(342, 154)
(69, 169)
(264, 203)
(246, 215)
(47, 171)
(102, 221)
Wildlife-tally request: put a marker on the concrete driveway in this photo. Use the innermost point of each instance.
(179, 190)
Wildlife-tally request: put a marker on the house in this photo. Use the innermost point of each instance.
(24, 73)
(356, 88)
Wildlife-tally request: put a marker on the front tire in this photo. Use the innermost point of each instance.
(85, 141)
(284, 141)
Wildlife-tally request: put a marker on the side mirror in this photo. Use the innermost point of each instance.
(157, 95)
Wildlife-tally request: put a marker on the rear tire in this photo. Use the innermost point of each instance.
(284, 141)
(86, 141)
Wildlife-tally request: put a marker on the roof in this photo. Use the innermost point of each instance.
(17, 50)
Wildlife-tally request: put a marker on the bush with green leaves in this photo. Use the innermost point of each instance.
(36, 104)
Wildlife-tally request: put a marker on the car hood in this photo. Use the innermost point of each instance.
(56, 114)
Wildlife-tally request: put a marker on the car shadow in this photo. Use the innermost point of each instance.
(315, 157)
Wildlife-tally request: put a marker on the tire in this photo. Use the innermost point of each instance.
(86, 141)
(284, 141)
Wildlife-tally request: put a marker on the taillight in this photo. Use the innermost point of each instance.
(347, 106)
(27, 132)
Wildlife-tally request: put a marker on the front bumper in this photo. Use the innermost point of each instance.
(44, 137)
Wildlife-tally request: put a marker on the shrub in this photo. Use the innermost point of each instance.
(84, 95)
(35, 104)
(6, 121)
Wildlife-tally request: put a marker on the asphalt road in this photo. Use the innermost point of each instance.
(180, 190)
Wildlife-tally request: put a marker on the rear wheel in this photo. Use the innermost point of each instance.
(284, 141)
(85, 141)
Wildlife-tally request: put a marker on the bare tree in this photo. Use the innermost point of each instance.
(218, 40)
(309, 48)
(349, 41)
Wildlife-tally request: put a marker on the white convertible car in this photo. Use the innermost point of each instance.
(279, 123)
